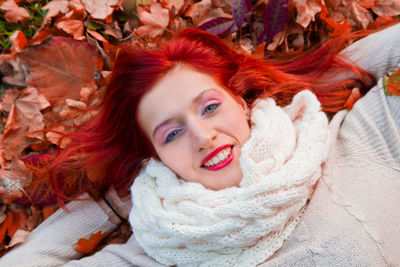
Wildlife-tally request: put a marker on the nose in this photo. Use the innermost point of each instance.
(202, 134)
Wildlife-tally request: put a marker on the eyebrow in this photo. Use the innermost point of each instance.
(194, 101)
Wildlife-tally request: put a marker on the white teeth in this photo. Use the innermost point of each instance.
(221, 156)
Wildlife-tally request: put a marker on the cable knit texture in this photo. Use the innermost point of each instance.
(182, 223)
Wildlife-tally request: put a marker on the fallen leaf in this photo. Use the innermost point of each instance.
(60, 67)
(72, 26)
(12, 70)
(97, 35)
(154, 21)
(86, 246)
(387, 8)
(100, 9)
(19, 237)
(55, 7)
(391, 83)
(18, 41)
(14, 13)
(4, 227)
(306, 11)
(198, 11)
(25, 116)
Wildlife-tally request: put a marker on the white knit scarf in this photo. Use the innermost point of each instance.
(182, 223)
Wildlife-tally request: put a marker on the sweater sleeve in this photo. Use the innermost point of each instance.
(376, 52)
(52, 243)
(121, 255)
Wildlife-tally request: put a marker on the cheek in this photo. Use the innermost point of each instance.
(238, 125)
(176, 157)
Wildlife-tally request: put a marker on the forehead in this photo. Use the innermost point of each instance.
(175, 92)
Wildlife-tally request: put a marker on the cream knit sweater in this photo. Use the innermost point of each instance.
(353, 218)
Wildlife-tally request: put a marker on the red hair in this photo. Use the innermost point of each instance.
(114, 140)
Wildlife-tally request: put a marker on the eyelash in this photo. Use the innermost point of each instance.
(215, 106)
(172, 135)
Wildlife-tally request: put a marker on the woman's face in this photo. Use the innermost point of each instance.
(196, 127)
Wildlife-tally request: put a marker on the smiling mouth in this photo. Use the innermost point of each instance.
(223, 156)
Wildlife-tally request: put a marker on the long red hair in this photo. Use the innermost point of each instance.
(114, 141)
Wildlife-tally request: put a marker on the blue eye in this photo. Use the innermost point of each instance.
(210, 108)
(172, 135)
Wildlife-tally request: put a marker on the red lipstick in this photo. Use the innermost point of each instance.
(223, 163)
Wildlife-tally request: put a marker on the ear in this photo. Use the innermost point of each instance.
(244, 105)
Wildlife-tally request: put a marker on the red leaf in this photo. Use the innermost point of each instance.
(18, 41)
(60, 67)
(86, 246)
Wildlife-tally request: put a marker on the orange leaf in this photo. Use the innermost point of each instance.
(71, 26)
(18, 41)
(18, 222)
(7, 222)
(14, 13)
(60, 67)
(86, 246)
(394, 83)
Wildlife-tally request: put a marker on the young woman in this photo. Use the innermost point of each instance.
(235, 163)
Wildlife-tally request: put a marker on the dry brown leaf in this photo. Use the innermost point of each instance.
(14, 73)
(361, 15)
(198, 11)
(61, 67)
(55, 7)
(387, 7)
(73, 27)
(25, 116)
(100, 9)
(154, 21)
(19, 237)
(18, 41)
(7, 99)
(97, 35)
(306, 11)
(55, 133)
(14, 13)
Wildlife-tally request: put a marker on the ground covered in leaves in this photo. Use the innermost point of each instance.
(56, 56)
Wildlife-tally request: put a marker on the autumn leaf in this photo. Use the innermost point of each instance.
(391, 83)
(14, 13)
(86, 246)
(100, 9)
(387, 8)
(25, 116)
(73, 27)
(18, 41)
(154, 21)
(275, 18)
(217, 25)
(306, 11)
(54, 8)
(60, 67)
(239, 8)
